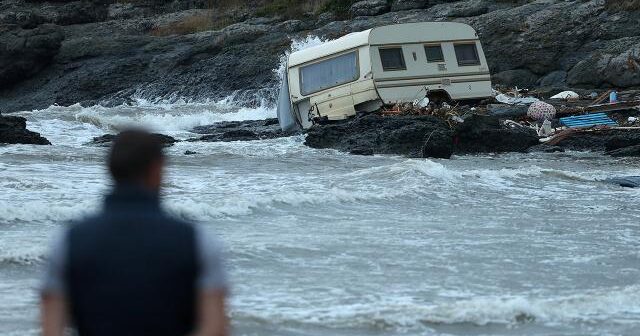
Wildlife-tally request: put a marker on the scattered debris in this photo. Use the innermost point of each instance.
(513, 100)
(566, 95)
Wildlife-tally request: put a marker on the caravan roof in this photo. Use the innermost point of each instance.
(347, 42)
(393, 34)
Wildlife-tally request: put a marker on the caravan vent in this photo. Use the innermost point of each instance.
(442, 67)
(446, 81)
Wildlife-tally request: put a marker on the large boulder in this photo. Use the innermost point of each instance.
(107, 139)
(369, 8)
(246, 130)
(626, 151)
(616, 64)
(521, 78)
(412, 136)
(485, 134)
(554, 79)
(25, 52)
(13, 130)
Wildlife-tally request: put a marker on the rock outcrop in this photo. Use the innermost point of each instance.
(247, 130)
(105, 52)
(25, 52)
(13, 130)
(412, 136)
(420, 136)
(107, 139)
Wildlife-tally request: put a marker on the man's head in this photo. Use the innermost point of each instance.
(136, 158)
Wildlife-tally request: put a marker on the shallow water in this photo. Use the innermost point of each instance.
(320, 242)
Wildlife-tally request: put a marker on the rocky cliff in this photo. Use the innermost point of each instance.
(107, 52)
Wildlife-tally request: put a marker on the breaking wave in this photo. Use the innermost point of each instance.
(405, 314)
(175, 116)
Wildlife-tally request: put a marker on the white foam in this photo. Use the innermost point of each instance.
(406, 313)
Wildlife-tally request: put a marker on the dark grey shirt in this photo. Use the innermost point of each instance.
(212, 274)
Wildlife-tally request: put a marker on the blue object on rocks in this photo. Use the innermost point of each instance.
(588, 120)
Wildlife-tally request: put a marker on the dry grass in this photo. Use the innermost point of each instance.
(630, 5)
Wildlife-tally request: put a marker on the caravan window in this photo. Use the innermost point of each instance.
(467, 54)
(329, 73)
(392, 59)
(434, 53)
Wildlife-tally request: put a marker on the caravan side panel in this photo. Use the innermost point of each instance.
(409, 60)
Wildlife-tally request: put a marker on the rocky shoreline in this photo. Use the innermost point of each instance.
(108, 52)
(13, 130)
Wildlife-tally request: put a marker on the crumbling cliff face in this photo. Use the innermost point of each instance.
(107, 52)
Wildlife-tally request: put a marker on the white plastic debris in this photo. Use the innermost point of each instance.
(421, 103)
(632, 119)
(546, 129)
(457, 119)
(506, 99)
(568, 95)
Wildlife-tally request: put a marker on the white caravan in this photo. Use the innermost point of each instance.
(400, 63)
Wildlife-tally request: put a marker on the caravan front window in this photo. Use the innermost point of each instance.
(329, 73)
(392, 59)
(467, 54)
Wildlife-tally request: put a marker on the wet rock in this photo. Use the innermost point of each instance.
(485, 134)
(556, 79)
(620, 139)
(511, 78)
(412, 136)
(399, 5)
(506, 111)
(107, 139)
(468, 8)
(25, 52)
(625, 151)
(617, 65)
(13, 130)
(369, 8)
(362, 151)
(545, 149)
(246, 130)
(604, 141)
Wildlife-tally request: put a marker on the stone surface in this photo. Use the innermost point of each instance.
(25, 52)
(107, 139)
(107, 54)
(625, 151)
(555, 79)
(369, 8)
(399, 5)
(515, 78)
(485, 134)
(13, 130)
(412, 136)
(246, 130)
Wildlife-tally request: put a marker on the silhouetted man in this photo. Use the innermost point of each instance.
(131, 269)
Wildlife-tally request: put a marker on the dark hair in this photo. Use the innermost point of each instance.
(132, 154)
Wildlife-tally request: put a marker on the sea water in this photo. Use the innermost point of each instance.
(320, 242)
